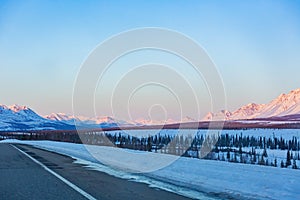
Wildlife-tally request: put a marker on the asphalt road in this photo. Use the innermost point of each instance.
(22, 178)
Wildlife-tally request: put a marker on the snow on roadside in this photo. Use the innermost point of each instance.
(207, 176)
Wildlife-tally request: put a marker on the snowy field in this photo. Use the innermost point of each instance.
(195, 178)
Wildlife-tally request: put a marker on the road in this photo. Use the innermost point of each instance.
(30, 173)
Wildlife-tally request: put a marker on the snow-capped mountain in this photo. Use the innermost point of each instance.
(18, 118)
(68, 119)
(59, 117)
(283, 105)
(247, 111)
(107, 121)
(222, 115)
(18, 113)
(96, 122)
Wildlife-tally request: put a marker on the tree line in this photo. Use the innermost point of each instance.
(225, 147)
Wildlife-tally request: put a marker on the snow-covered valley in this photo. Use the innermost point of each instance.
(191, 176)
(197, 178)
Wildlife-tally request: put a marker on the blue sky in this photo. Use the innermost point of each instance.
(255, 45)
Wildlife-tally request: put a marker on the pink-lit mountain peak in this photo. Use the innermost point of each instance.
(248, 110)
(3, 107)
(252, 107)
(284, 104)
(59, 116)
(17, 108)
(292, 96)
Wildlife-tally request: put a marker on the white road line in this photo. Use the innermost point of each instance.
(85, 194)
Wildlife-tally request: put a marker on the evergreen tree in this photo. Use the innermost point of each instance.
(254, 156)
(228, 154)
(282, 164)
(294, 164)
(149, 144)
(288, 159)
(265, 152)
(240, 150)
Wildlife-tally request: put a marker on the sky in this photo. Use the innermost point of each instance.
(255, 47)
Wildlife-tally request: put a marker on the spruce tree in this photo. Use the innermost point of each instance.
(288, 159)
(265, 152)
(282, 164)
(228, 154)
(240, 150)
(254, 156)
(149, 144)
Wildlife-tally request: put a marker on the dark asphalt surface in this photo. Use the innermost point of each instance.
(21, 178)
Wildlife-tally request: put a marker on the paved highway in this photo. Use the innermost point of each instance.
(31, 173)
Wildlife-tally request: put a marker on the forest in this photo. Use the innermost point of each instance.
(236, 148)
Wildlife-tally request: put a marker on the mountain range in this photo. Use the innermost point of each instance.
(286, 107)
(101, 121)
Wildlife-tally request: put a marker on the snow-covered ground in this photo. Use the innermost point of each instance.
(191, 177)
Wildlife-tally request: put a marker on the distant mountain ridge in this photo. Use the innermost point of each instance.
(286, 107)
(283, 105)
(102, 121)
